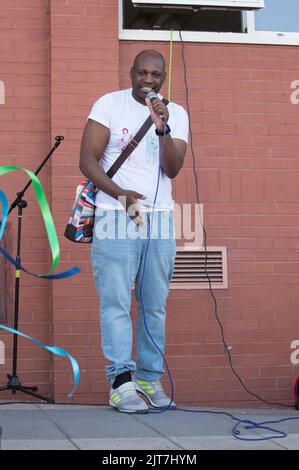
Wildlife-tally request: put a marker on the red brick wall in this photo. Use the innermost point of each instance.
(245, 142)
(84, 65)
(25, 140)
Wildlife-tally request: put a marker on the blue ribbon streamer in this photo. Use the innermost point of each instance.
(53, 350)
(63, 275)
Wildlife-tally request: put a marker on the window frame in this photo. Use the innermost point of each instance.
(229, 3)
(250, 37)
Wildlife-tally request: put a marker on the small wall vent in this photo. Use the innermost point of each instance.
(194, 267)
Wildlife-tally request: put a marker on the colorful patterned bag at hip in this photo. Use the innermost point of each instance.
(80, 225)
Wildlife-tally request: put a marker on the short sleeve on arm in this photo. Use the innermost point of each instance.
(181, 128)
(102, 111)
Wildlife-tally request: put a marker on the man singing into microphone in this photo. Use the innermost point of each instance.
(118, 260)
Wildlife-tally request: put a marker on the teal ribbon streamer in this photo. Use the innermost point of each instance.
(4, 203)
(54, 350)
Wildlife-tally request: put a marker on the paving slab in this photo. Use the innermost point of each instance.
(140, 443)
(68, 427)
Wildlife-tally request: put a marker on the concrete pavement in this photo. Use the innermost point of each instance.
(80, 427)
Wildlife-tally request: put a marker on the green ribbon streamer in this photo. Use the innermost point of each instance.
(45, 211)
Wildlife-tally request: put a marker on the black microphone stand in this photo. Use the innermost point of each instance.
(14, 383)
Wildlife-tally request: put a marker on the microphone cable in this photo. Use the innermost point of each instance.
(226, 347)
(161, 155)
(247, 424)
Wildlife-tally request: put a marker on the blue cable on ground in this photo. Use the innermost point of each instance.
(245, 424)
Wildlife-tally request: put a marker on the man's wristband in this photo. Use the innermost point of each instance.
(167, 131)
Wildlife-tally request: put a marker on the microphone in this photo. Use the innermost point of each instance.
(153, 96)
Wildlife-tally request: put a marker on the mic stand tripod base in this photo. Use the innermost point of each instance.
(15, 386)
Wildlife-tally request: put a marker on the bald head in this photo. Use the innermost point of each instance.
(149, 54)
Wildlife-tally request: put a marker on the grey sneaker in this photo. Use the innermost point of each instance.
(125, 399)
(154, 392)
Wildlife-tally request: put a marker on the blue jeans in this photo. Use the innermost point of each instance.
(118, 261)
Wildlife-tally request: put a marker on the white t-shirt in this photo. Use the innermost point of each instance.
(123, 115)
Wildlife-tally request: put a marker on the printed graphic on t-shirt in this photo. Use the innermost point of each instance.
(125, 138)
(146, 150)
(151, 146)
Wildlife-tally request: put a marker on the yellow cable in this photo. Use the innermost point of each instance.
(170, 66)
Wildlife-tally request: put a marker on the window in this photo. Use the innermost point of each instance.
(153, 18)
(276, 23)
(205, 3)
